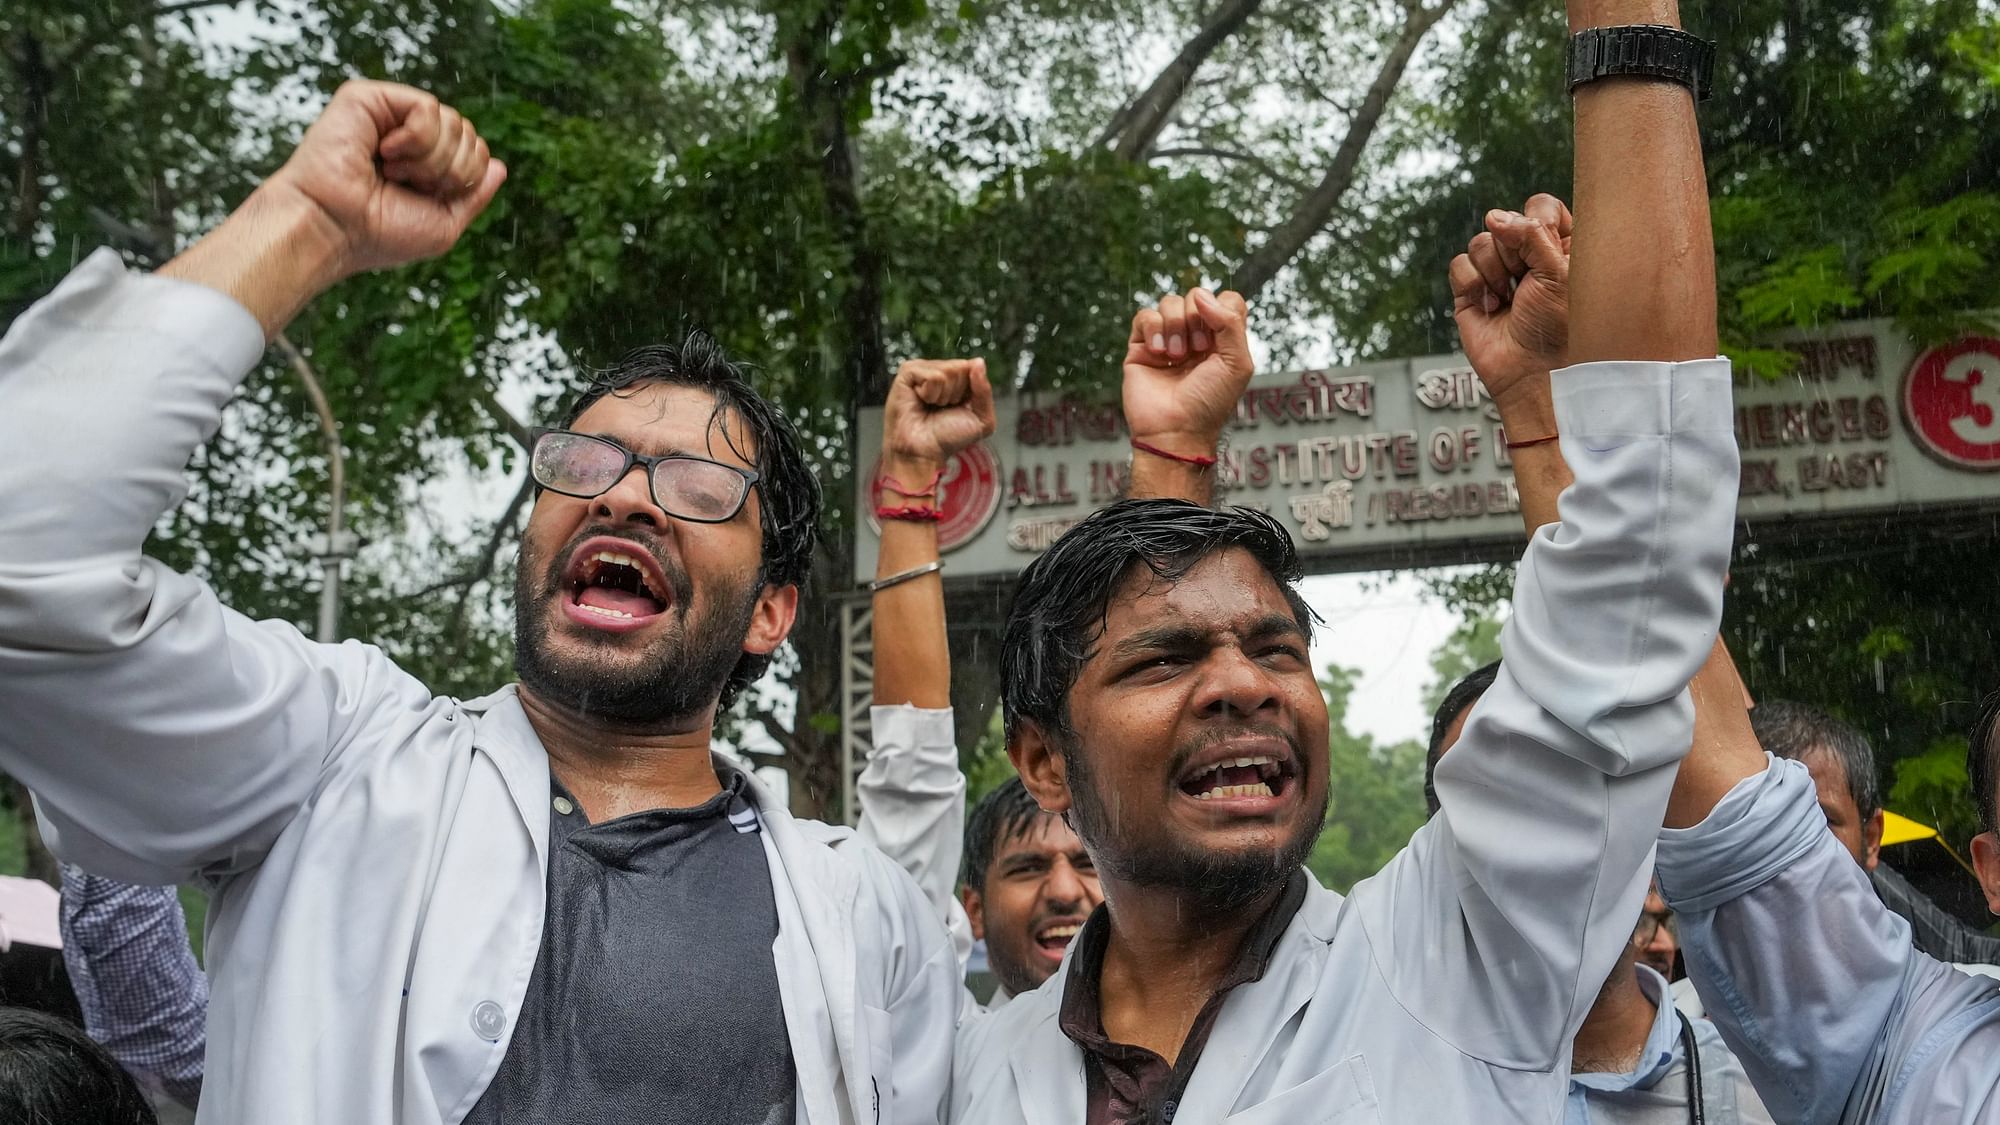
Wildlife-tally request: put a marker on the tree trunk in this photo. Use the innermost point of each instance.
(977, 620)
(1312, 213)
(823, 107)
(36, 81)
(1140, 122)
(824, 98)
(813, 756)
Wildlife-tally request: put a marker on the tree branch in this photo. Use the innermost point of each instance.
(101, 36)
(793, 746)
(823, 104)
(482, 567)
(489, 401)
(1137, 125)
(1318, 206)
(1250, 158)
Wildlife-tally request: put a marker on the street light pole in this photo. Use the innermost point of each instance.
(335, 547)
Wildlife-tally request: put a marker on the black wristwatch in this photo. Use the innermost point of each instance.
(1645, 50)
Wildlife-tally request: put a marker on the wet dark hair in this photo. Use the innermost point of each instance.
(51, 1071)
(1793, 730)
(1462, 695)
(1007, 813)
(1060, 604)
(1980, 768)
(789, 491)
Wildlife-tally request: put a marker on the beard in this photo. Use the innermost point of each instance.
(679, 676)
(1211, 880)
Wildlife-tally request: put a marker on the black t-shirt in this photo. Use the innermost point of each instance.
(655, 994)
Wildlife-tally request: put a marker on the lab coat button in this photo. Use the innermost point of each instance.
(489, 1020)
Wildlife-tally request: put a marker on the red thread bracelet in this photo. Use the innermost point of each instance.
(1532, 442)
(1198, 462)
(919, 515)
(884, 480)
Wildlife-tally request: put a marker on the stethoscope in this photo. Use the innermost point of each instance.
(1696, 1115)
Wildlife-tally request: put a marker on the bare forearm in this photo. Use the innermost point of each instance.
(912, 656)
(273, 255)
(1162, 478)
(1540, 473)
(1725, 747)
(1643, 267)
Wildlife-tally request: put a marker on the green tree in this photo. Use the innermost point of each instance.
(1852, 158)
(824, 186)
(1376, 795)
(1473, 645)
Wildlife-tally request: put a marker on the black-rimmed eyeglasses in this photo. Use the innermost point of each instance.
(688, 488)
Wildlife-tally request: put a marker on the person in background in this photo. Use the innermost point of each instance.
(1629, 1062)
(1028, 886)
(1659, 949)
(143, 994)
(1813, 981)
(52, 1073)
(1842, 764)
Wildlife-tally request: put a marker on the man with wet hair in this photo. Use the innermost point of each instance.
(1027, 887)
(551, 904)
(1159, 694)
(50, 1071)
(1842, 765)
(1028, 881)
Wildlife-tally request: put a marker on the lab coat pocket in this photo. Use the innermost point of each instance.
(1339, 1095)
(881, 1060)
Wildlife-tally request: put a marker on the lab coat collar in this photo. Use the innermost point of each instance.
(1255, 1014)
(505, 735)
(1663, 1042)
(1049, 1079)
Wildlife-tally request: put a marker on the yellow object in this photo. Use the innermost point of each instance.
(1902, 830)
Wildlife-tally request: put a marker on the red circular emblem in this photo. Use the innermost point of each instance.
(969, 494)
(1951, 401)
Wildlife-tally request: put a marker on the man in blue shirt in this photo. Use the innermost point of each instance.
(1814, 982)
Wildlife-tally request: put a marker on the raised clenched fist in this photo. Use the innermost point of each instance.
(936, 407)
(396, 174)
(1187, 365)
(1510, 294)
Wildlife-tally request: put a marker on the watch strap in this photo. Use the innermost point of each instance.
(1644, 51)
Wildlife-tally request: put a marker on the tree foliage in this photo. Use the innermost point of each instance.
(825, 186)
(830, 186)
(1853, 155)
(1376, 795)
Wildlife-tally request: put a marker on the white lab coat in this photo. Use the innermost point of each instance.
(1447, 988)
(378, 855)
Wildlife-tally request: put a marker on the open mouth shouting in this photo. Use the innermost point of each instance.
(1236, 780)
(1052, 937)
(614, 585)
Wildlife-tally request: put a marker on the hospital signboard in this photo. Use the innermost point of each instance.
(1404, 462)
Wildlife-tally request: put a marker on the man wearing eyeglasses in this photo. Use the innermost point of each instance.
(549, 905)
